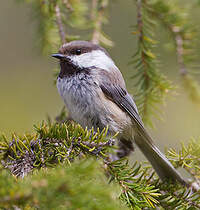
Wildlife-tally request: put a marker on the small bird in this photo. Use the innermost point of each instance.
(95, 94)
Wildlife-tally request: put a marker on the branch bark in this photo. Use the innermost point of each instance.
(59, 24)
(179, 50)
(175, 31)
(68, 5)
(97, 18)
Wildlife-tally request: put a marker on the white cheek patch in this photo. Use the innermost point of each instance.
(95, 58)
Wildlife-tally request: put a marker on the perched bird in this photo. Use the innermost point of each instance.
(95, 95)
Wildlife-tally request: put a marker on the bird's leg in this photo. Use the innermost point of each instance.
(125, 148)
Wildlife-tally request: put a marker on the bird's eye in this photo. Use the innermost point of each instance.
(78, 52)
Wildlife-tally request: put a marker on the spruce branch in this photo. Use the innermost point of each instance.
(141, 188)
(54, 17)
(183, 35)
(189, 83)
(82, 185)
(68, 5)
(64, 144)
(188, 158)
(77, 14)
(136, 190)
(50, 145)
(98, 18)
(175, 27)
(95, 34)
(152, 85)
(179, 50)
(59, 23)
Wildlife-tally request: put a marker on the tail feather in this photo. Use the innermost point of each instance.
(160, 163)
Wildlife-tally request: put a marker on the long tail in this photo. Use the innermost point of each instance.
(160, 163)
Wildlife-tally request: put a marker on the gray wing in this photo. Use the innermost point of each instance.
(113, 86)
(121, 97)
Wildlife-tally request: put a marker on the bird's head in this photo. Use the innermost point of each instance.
(84, 54)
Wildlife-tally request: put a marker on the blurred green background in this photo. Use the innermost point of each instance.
(26, 76)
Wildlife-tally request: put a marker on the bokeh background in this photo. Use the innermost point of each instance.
(27, 90)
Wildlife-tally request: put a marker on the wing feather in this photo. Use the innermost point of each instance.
(114, 89)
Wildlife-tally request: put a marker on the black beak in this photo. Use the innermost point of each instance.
(58, 56)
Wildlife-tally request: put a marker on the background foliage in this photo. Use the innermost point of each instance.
(72, 147)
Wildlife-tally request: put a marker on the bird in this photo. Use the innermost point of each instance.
(95, 95)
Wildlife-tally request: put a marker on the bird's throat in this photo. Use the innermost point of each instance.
(67, 68)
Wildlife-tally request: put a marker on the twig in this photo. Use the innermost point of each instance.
(175, 31)
(179, 50)
(94, 5)
(97, 18)
(139, 19)
(68, 5)
(143, 57)
(60, 25)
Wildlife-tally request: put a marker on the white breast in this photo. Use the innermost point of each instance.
(78, 95)
(88, 106)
